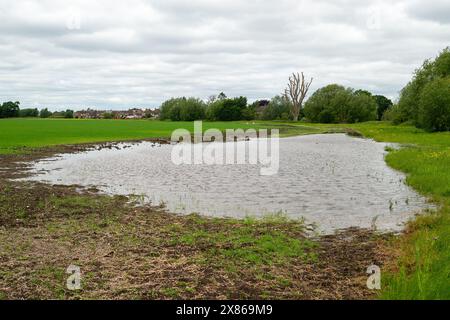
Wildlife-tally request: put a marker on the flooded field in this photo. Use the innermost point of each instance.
(334, 181)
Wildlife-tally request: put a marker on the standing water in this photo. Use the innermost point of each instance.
(334, 181)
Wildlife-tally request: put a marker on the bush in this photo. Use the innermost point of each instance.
(434, 111)
(337, 104)
(183, 109)
(392, 114)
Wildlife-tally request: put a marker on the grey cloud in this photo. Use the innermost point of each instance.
(142, 52)
(433, 10)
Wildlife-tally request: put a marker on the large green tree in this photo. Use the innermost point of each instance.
(183, 109)
(9, 109)
(434, 105)
(229, 109)
(337, 104)
(383, 104)
(410, 96)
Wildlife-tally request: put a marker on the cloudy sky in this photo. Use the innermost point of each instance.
(118, 54)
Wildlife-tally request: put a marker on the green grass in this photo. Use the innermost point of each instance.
(251, 241)
(17, 134)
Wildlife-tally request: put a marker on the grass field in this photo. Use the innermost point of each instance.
(422, 270)
(16, 134)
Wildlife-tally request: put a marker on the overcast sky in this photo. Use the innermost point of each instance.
(118, 54)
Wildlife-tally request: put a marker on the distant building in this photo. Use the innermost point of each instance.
(134, 113)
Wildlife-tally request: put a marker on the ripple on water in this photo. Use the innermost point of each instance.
(334, 181)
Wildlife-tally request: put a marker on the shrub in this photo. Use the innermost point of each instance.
(434, 110)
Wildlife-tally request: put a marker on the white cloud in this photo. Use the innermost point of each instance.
(121, 54)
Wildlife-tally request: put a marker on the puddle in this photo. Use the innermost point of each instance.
(333, 180)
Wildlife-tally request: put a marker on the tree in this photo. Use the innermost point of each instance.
(24, 113)
(296, 92)
(68, 114)
(183, 109)
(227, 109)
(383, 104)
(45, 113)
(279, 108)
(410, 96)
(9, 109)
(337, 104)
(192, 109)
(434, 112)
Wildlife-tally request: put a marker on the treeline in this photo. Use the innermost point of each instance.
(12, 110)
(331, 104)
(425, 100)
(218, 108)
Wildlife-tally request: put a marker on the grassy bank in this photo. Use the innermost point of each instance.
(422, 270)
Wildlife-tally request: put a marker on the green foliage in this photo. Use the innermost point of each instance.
(229, 109)
(25, 113)
(337, 104)
(45, 113)
(68, 114)
(278, 109)
(108, 115)
(410, 102)
(434, 106)
(183, 109)
(383, 104)
(392, 114)
(9, 109)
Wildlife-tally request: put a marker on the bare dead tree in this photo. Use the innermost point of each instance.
(296, 93)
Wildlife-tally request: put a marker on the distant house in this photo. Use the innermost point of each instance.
(134, 113)
(88, 114)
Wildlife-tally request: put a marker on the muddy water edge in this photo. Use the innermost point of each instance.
(143, 252)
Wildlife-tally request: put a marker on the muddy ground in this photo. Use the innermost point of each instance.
(131, 251)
